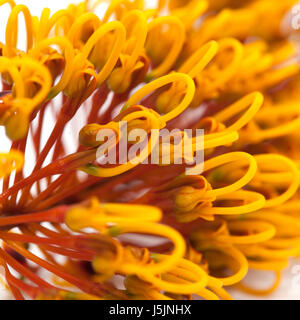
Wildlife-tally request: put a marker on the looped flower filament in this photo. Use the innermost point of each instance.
(184, 278)
(164, 57)
(31, 73)
(155, 123)
(160, 82)
(202, 202)
(120, 7)
(255, 100)
(197, 61)
(223, 255)
(273, 121)
(229, 158)
(69, 55)
(277, 162)
(11, 34)
(82, 29)
(192, 67)
(130, 59)
(119, 33)
(99, 218)
(211, 81)
(46, 22)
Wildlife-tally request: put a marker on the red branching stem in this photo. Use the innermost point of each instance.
(66, 193)
(23, 270)
(44, 194)
(19, 175)
(56, 214)
(79, 255)
(15, 284)
(37, 134)
(35, 227)
(84, 285)
(35, 239)
(56, 132)
(68, 163)
(65, 115)
(98, 100)
(106, 115)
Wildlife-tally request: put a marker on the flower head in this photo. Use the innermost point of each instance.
(194, 65)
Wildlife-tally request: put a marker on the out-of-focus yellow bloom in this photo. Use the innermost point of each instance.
(11, 161)
(32, 83)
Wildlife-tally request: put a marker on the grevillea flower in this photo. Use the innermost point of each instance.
(221, 66)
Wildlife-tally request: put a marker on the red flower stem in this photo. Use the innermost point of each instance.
(37, 136)
(28, 229)
(52, 139)
(84, 285)
(67, 111)
(62, 119)
(54, 185)
(65, 193)
(70, 253)
(35, 227)
(48, 256)
(67, 244)
(35, 239)
(57, 130)
(69, 163)
(117, 99)
(23, 270)
(59, 149)
(15, 284)
(56, 214)
(59, 229)
(5, 183)
(19, 175)
(98, 100)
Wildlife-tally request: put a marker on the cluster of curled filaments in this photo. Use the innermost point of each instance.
(225, 67)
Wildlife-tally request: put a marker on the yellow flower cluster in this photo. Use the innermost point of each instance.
(223, 66)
